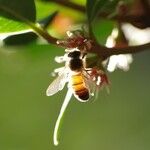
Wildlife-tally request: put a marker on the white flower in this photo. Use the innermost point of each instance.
(121, 61)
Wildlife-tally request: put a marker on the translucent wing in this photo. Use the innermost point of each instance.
(89, 83)
(58, 84)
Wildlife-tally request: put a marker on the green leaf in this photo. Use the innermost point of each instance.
(29, 36)
(102, 29)
(94, 7)
(45, 22)
(50, 7)
(12, 12)
(20, 39)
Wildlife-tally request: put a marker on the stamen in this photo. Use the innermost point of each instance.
(69, 33)
(98, 80)
(61, 114)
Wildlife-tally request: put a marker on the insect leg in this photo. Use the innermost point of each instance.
(57, 71)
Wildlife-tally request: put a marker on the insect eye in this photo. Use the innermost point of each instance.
(74, 54)
(70, 55)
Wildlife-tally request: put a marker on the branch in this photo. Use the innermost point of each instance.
(105, 52)
(44, 34)
(102, 51)
(82, 9)
(70, 5)
(146, 6)
(36, 27)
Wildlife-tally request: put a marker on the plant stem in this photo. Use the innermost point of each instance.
(126, 18)
(102, 51)
(60, 117)
(105, 52)
(69, 4)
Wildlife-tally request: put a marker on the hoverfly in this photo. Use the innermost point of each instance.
(75, 73)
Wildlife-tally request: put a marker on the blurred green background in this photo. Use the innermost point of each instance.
(116, 121)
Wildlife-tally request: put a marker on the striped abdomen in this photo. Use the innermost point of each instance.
(81, 92)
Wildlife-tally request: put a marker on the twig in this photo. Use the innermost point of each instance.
(105, 52)
(146, 6)
(60, 117)
(70, 5)
(100, 50)
(126, 18)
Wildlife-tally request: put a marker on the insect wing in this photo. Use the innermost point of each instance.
(89, 83)
(57, 85)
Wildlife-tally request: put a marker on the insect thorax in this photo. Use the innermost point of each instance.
(76, 64)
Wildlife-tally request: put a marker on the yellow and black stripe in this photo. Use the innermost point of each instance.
(79, 88)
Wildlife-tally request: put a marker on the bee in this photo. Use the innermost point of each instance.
(75, 73)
